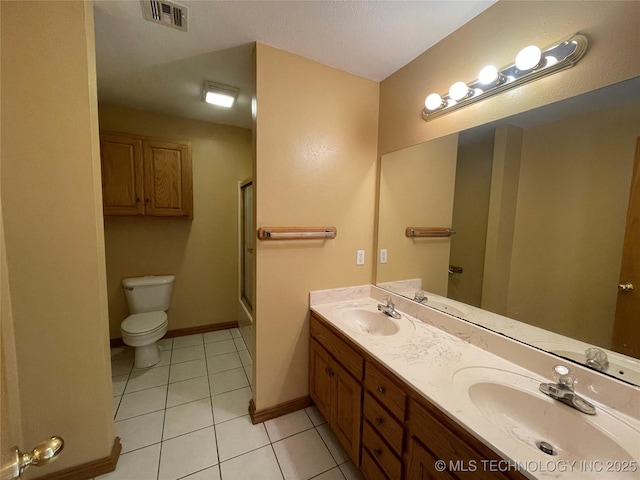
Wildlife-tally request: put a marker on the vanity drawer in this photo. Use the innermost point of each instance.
(448, 441)
(347, 357)
(385, 390)
(380, 451)
(370, 468)
(383, 422)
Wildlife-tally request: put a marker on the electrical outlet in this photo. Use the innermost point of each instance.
(383, 255)
(360, 257)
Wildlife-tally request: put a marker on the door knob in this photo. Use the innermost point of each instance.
(42, 454)
(625, 287)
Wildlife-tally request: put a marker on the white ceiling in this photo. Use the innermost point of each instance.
(158, 68)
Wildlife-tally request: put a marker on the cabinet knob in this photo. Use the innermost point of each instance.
(380, 390)
(379, 421)
(138, 199)
(377, 452)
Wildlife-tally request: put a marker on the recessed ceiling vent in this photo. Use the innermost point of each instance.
(165, 13)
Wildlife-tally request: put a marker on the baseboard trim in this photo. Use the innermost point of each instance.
(181, 332)
(278, 410)
(91, 469)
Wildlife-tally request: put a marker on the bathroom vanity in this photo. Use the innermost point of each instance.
(427, 396)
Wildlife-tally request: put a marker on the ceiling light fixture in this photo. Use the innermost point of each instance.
(219, 94)
(530, 64)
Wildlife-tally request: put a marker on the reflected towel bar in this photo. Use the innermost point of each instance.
(428, 232)
(296, 233)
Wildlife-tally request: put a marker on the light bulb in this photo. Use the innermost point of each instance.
(528, 58)
(550, 61)
(488, 75)
(458, 91)
(433, 102)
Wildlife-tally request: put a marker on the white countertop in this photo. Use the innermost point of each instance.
(438, 355)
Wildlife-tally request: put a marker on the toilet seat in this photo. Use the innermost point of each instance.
(144, 323)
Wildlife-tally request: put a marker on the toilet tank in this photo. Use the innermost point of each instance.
(148, 294)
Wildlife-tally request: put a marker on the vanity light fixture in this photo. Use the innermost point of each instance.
(219, 94)
(530, 64)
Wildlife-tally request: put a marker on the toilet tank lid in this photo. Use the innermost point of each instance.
(148, 280)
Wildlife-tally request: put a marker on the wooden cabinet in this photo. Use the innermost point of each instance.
(334, 389)
(434, 436)
(388, 429)
(383, 426)
(145, 176)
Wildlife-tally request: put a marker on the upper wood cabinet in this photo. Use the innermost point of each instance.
(145, 176)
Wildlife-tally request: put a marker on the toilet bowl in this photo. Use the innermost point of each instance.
(142, 331)
(148, 299)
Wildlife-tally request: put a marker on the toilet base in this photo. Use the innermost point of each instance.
(146, 355)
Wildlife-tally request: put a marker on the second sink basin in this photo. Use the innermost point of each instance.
(513, 404)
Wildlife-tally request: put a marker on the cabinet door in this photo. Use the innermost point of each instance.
(421, 465)
(319, 379)
(168, 182)
(122, 185)
(346, 410)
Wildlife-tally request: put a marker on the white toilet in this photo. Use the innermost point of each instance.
(148, 299)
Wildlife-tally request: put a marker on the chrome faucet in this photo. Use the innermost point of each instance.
(563, 390)
(389, 308)
(420, 297)
(596, 359)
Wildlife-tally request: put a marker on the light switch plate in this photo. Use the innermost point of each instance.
(383, 255)
(360, 257)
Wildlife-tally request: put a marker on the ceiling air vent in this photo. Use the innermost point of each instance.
(165, 13)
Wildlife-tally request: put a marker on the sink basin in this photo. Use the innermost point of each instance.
(446, 307)
(368, 321)
(513, 404)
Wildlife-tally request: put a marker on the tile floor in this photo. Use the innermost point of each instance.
(186, 417)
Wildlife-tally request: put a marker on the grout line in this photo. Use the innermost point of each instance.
(213, 418)
(277, 459)
(166, 400)
(326, 444)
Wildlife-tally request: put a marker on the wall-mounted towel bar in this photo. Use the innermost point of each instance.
(296, 233)
(428, 232)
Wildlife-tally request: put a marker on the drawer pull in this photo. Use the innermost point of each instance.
(329, 371)
(380, 390)
(377, 452)
(379, 421)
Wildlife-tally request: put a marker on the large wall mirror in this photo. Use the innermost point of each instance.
(538, 203)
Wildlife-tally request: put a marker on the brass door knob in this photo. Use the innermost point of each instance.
(625, 287)
(42, 454)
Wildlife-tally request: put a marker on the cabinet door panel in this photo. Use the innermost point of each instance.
(422, 464)
(122, 185)
(346, 410)
(319, 379)
(167, 171)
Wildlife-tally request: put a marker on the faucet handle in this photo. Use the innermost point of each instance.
(564, 376)
(596, 359)
(388, 301)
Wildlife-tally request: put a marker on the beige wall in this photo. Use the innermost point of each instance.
(496, 36)
(51, 198)
(416, 190)
(470, 214)
(316, 166)
(573, 193)
(203, 253)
